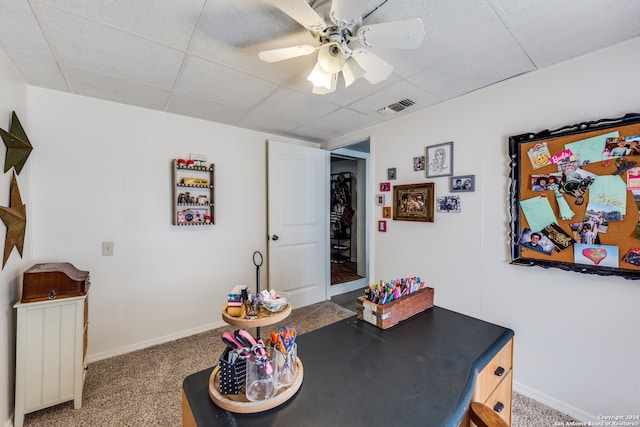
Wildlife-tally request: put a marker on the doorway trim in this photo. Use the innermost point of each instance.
(341, 288)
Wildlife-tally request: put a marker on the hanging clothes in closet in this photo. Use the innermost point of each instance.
(341, 216)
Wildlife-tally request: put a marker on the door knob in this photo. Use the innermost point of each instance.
(274, 237)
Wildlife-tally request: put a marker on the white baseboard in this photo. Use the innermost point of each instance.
(347, 287)
(150, 343)
(551, 402)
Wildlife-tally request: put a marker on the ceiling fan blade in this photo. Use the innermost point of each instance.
(275, 55)
(406, 34)
(302, 12)
(376, 69)
(347, 12)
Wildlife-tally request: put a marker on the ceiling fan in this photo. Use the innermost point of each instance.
(344, 41)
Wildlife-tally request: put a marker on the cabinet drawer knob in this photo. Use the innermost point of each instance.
(498, 407)
(500, 371)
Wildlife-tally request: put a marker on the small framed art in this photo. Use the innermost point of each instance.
(413, 202)
(386, 212)
(418, 163)
(382, 226)
(462, 183)
(380, 199)
(391, 173)
(385, 186)
(440, 160)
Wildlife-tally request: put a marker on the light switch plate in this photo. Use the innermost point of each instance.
(107, 248)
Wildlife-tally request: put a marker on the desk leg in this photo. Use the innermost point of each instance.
(187, 416)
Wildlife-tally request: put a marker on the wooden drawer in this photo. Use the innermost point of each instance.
(492, 374)
(500, 399)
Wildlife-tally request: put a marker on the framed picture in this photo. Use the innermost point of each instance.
(386, 212)
(413, 202)
(391, 173)
(570, 201)
(462, 183)
(418, 163)
(448, 204)
(385, 186)
(382, 226)
(440, 160)
(380, 199)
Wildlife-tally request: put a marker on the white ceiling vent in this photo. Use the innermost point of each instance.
(396, 107)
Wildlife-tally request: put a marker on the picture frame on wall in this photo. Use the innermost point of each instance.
(440, 160)
(413, 202)
(385, 186)
(382, 226)
(462, 183)
(391, 173)
(380, 199)
(386, 212)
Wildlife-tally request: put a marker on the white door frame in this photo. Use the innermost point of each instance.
(361, 283)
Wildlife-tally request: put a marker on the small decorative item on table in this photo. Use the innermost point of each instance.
(274, 301)
(235, 301)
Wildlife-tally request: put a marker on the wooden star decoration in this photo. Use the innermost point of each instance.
(15, 218)
(18, 145)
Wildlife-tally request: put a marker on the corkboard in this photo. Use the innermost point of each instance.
(618, 233)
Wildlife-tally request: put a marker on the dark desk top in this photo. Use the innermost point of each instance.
(419, 372)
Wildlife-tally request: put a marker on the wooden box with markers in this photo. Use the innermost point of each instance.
(393, 312)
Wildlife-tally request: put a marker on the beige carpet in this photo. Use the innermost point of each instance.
(143, 388)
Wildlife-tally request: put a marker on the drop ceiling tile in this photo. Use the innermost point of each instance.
(450, 27)
(494, 60)
(93, 46)
(313, 133)
(168, 22)
(232, 33)
(20, 31)
(396, 92)
(191, 106)
(38, 72)
(254, 120)
(207, 80)
(344, 121)
(104, 86)
(294, 106)
(555, 31)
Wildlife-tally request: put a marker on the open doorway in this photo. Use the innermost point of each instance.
(348, 218)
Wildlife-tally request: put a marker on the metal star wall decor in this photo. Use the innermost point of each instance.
(15, 218)
(18, 145)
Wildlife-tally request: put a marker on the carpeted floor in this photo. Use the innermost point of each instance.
(143, 388)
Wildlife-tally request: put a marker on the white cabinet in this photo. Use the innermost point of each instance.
(51, 344)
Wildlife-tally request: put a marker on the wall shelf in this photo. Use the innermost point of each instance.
(193, 194)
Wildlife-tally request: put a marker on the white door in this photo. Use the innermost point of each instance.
(298, 221)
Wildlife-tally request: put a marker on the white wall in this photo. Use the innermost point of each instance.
(577, 343)
(101, 171)
(13, 97)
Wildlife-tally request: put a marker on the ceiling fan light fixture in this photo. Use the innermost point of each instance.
(351, 72)
(331, 57)
(320, 77)
(321, 90)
